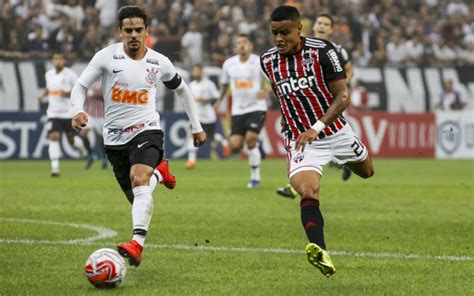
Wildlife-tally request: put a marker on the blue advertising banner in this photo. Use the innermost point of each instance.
(23, 135)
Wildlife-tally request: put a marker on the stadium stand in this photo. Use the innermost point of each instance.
(428, 32)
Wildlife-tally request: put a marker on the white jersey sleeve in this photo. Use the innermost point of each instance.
(225, 78)
(93, 71)
(169, 71)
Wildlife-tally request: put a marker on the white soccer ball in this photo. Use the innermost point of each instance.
(105, 268)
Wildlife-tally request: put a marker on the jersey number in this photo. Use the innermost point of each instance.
(358, 148)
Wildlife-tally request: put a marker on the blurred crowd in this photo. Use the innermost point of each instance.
(375, 32)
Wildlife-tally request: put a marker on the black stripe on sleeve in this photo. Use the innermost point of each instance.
(173, 83)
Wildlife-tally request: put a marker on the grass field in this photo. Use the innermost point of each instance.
(408, 230)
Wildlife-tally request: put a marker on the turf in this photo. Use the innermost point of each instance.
(422, 207)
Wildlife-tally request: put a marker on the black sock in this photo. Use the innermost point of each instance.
(313, 221)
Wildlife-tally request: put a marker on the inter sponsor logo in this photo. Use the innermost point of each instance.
(127, 96)
(293, 84)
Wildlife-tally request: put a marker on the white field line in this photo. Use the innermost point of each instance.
(107, 233)
(102, 232)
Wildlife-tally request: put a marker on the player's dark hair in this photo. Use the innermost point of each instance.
(285, 13)
(131, 11)
(245, 36)
(326, 15)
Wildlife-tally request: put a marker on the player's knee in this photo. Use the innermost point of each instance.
(236, 147)
(140, 179)
(54, 136)
(307, 191)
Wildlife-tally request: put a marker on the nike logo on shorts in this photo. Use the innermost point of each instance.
(140, 145)
(116, 71)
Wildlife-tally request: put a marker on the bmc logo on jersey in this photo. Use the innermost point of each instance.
(127, 96)
(290, 85)
(334, 60)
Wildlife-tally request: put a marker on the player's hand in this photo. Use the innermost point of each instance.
(305, 138)
(199, 139)
(79, 121)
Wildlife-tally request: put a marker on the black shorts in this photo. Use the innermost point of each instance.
(252, 121)
(61, 125)
(146, 148)
(209, 129)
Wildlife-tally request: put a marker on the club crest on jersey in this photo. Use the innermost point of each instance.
(307, 63)
(152, 75)
(298, 157)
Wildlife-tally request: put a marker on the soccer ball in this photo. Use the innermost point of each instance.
(105, 268)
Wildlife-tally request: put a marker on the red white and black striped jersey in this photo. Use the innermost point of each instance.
(301, 84)
(94, 104)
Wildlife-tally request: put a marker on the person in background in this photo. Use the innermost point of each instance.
(450, 99)
(205, 95)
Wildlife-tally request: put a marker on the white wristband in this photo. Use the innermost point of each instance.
(318, 126)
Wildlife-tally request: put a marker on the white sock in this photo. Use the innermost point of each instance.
(54, 151)
(254, 161)
(155, 179)
(221, 139)
(192, 151)
(142, 210)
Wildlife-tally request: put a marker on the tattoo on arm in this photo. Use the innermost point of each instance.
(341, 101)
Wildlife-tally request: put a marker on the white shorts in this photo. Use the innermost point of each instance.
(340, 148)
(96, 124)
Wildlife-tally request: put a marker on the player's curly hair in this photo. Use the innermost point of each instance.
(131, 11)
(285, 13)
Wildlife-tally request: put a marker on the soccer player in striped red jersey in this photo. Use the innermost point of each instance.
(94, 107)
(307, 77)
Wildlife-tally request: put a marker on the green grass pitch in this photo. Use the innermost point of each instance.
(406, 231)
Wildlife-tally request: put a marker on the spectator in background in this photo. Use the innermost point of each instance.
(222, 51)
(415, 50)
(450, 99)
(37, 43)
(445, 53)
(396, 50)
(192, 45)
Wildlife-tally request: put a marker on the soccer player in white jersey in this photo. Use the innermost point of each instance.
(205, 95)
(59, 82)
(132, 133)
(94, 107)
(249, 92)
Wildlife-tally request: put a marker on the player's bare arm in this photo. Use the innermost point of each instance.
(223, 92)
(43, 95)
(349, 69)
(341, 101)
(199, 138)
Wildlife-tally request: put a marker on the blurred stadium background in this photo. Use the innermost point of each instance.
(403, 53)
